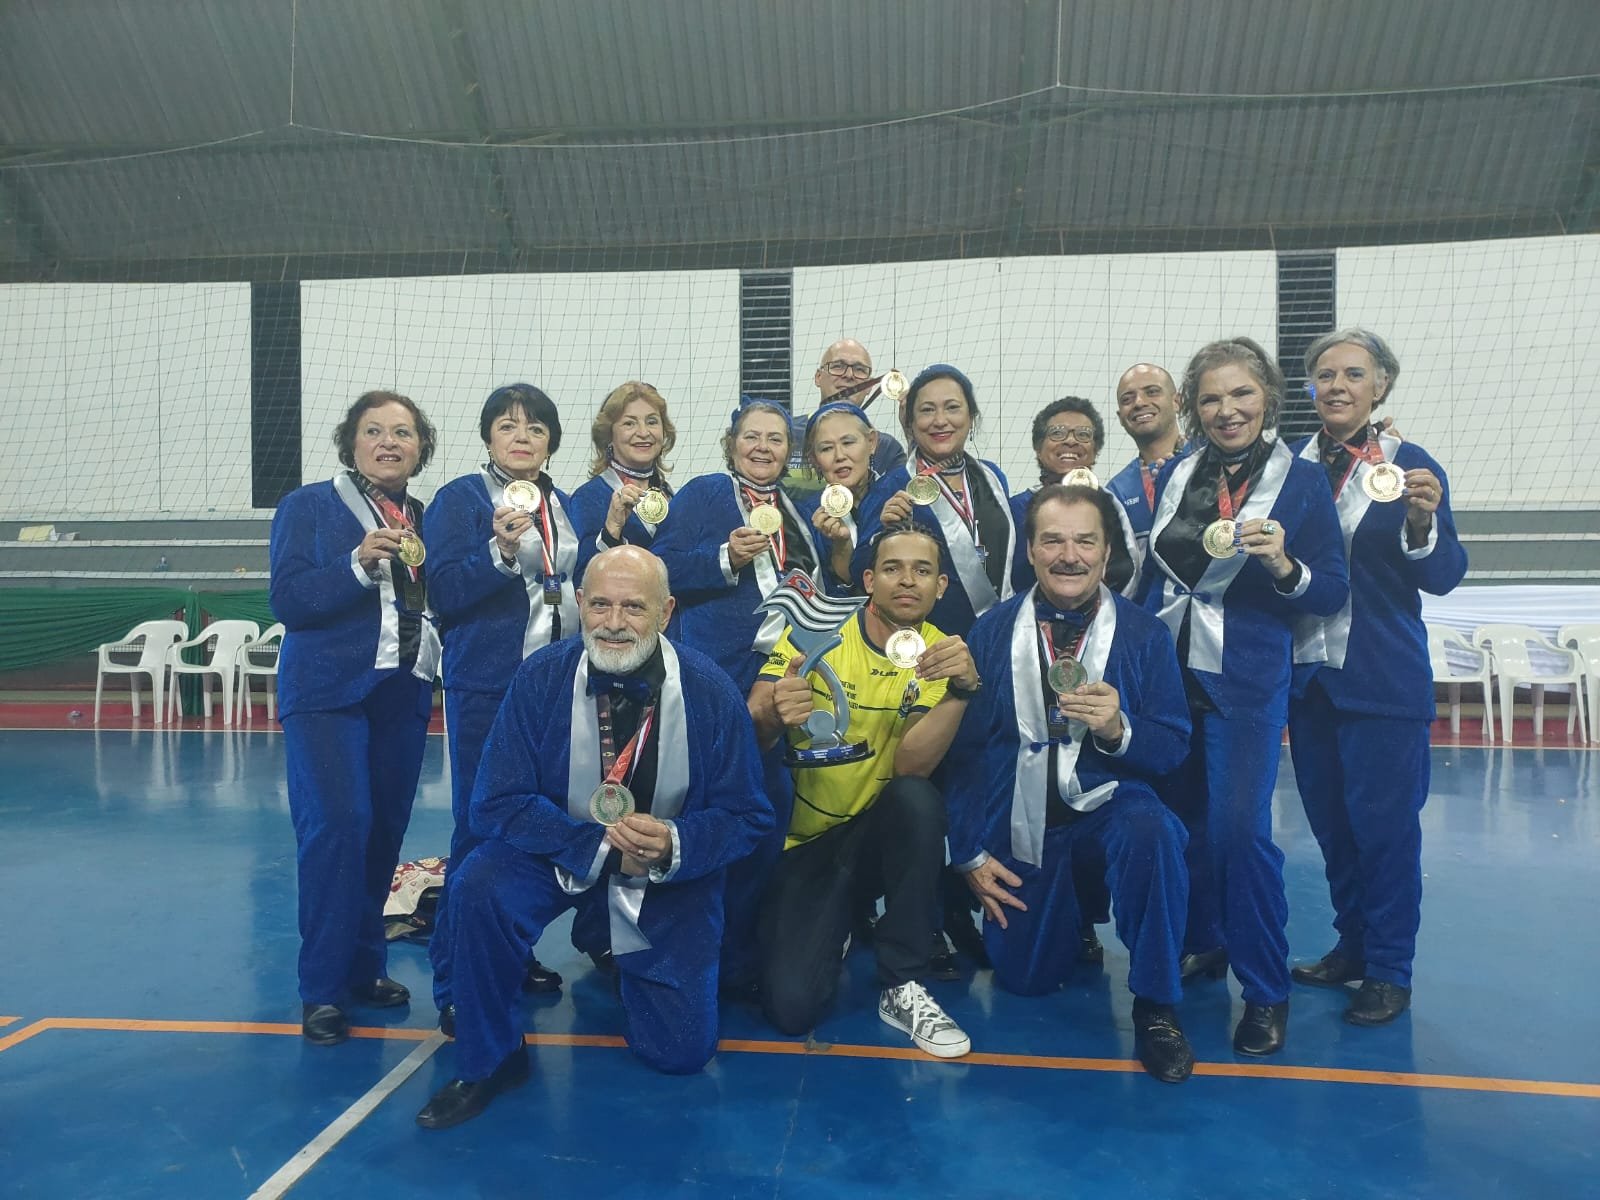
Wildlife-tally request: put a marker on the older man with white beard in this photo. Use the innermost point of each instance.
(621, 772)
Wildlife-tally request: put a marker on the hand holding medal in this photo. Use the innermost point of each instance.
(379, 546)
(1264, 539)
(1097, 705)
(510, 523)
(641, 838)
(1423, 494)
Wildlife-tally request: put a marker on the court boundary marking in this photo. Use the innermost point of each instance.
(1227, 1070)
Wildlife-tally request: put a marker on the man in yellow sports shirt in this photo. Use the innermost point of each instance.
(874, 826)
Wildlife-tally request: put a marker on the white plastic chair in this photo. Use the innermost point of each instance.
(224, 638)
(1441, 640)
(1508, 649)
(1584, 641)
(260, 658)
(149, 640)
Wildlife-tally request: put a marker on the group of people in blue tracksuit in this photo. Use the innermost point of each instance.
(1139, 650)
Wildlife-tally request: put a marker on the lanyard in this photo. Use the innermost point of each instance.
(1227, 504)
(392, 515)
(622, 766)
(547, 545)
(963, 505)
(1369, 451)
(1049, 642)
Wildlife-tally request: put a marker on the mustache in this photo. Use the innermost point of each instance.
(1068, 569)
(617, 635)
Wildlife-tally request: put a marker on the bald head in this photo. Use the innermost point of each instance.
(857, 366)
(1147, 405)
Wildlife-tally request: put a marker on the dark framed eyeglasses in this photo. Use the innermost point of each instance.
(1069, 433)
(840, 369)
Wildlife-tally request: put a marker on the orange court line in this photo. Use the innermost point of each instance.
(1467, 1083)
(4, 1021)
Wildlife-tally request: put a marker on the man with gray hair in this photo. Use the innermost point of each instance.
(621, 773)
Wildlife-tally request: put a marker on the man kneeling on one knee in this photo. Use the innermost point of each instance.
(621, 772)
(1082, 708)
(873, 826)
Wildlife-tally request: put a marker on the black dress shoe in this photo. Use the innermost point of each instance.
(1262, 1028)
(323, 1024)
(1089, 948)
(1159, 1043)
(382, 993)
(1331, 970)
(966, 938)
(459, 1101)
(942, 962)
(1213, 964)
(605, 962)
(1377, 1003)
(540, 979)
(447, 1020)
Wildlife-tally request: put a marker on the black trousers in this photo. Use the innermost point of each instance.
(895, 849)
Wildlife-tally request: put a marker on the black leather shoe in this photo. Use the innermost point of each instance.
(966, 938)
(447, 1020)
(323, 1024)
(1377, 1003)
(1262, 1029)
(1213, 964)
(942, 962)
(1158, 1041)
(540, 980)
(382, 993)
(605, 962)
(1089, 948)
(459, 1101)
(1331, 970)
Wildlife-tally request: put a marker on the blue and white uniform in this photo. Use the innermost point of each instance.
(541, 852)
(1037, 797)
(1233, 627)
(1122, 570)
(1359, 733)
(592, 500)
(355, 690)
(492, 615)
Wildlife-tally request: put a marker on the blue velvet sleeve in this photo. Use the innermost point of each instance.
(313, 583)
(458, 528)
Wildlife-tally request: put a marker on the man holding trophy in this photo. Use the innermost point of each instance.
(869, 696)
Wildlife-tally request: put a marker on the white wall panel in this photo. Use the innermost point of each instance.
(347, 346)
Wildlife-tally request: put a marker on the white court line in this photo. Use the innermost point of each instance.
(291, 1172)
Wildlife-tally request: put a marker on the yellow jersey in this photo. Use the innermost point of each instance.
(882, 698)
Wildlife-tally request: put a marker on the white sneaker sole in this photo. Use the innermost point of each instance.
(954, 1050)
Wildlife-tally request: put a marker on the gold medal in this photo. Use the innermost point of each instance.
(894, 386)
(766, 518)
(610, 802)
(1067, 674)
(1081, 477)
(923, 489)
(904, 648)
(836, 500)
(1218, 539)
(412, 552)
(1384, 482)
(652, 507)
(522, 495)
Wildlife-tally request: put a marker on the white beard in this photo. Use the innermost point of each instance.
(619, 662)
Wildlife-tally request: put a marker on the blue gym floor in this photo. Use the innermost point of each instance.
(149, 1029)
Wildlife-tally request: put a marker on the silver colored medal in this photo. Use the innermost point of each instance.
(610, 802)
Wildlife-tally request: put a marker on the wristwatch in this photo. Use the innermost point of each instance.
(961, 693)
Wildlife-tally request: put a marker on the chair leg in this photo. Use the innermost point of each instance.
(99, 682)
(157, 698)
(1488, 713)
(272, 698)
(225, 686)
(1455, 709)
(1538, 710)
(133, 692)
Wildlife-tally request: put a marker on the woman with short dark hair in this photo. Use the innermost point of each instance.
(504, 556)
(355, 690)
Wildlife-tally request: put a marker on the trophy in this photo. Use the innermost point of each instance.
(814, 623)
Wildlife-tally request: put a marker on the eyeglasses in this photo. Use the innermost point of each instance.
(838, 368)
(1069, 433)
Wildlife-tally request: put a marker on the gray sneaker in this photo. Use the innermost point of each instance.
(912, 1011)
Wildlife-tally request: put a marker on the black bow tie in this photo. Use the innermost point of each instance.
(1076, 618)
(633, 687)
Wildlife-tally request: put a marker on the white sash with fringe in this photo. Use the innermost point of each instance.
(1204, 600)
(625, 893)
(1033, 744)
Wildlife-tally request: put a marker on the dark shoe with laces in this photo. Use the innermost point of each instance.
(942, 962)
(381, 993)
(1262, 1029)
(1212, 964)
(459, 1101)
(540, 979)
(323, 1024)
(1159, 1043)
(447, 1020)
(1331, 970)
(967, 939)
(1377, 1003)
(605, 962)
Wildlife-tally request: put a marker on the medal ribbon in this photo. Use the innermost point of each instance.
(547, 546)
(628, 474)
(962, 503)
(1369, 452)
(1147, 476)
(393, 516)
(622, 764)
(1227, 502)
(754, 495)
